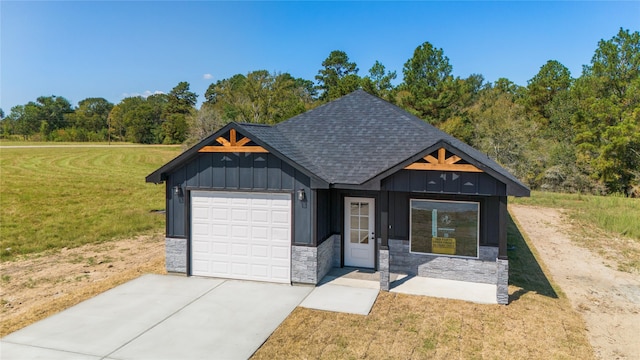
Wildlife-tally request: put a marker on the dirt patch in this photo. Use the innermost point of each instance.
(608, 299)
(38, 286)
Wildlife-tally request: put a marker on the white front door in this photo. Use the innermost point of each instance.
(359, 232)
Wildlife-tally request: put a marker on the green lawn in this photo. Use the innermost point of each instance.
(608, 225)
(51, 198)
(615, 214)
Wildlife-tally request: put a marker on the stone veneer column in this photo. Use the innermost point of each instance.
(176, 255)
(502, 291)
(384, 269)
(304, 265)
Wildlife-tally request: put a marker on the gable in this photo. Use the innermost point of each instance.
(234, 139)
(445, 168)
(231, 143)
(442, 160)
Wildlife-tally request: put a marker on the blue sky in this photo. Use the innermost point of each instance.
(114, 49)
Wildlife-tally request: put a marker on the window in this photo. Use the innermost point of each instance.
(444, 227)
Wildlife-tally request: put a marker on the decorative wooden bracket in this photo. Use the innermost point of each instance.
(233, 145)
(443, 163)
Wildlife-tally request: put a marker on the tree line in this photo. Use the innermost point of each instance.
(557, 133)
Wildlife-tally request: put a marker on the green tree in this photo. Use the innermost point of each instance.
(181, 103)
(51, 113)
(551, 81)
(430, 87)
(607, 123)
(91, 116)
(505, 133)
(260, 97)
(139, 120)
(464, 93)
(338, 76)
(378, 82)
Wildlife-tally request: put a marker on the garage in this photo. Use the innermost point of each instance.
(241, 235)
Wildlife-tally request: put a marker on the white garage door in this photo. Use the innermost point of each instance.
(241, 235)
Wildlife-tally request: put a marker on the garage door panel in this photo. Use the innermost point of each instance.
(259, 216)
(280, 234)
(219, 267)
(220, 248)
(259, 233)
(240, 269)
(200, 212)
(280, 253)
(240, 215)
(280, 217)
(242, 236)
(239, 231)
(219, 231)
(280, 272)
(239, 250)
(200, 229)
(200, 265)
(260, 270)
(219, 214)
(260, 251)
(200, 246)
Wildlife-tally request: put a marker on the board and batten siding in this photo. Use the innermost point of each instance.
(445, 182)
(444, 185)
(259, 172)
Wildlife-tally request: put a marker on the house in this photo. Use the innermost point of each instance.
(356, 182)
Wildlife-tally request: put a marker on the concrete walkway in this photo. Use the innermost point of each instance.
(412, 285)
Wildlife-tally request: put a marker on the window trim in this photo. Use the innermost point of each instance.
(477, 203)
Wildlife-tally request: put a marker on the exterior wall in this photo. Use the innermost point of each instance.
(326, 256)
(238, 172)
(399, 203)
(310, 264)
(337, 251)
(444, 182)
(482, 270)
(176, 255)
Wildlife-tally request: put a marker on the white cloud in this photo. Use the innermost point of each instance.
(145, 94)
(207, 76)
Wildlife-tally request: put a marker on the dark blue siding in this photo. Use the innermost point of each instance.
(444, 182)
(323, 215)
(239, 172)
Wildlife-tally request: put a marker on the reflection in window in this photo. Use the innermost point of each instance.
(444, 227)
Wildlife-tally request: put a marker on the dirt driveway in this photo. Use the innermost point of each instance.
(608, 299)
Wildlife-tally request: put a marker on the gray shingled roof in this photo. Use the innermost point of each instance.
(354, 138)
(358, 137)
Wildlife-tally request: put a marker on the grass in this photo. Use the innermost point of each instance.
(616, 214)
(539, 323)
(608, 225)
(51, 198)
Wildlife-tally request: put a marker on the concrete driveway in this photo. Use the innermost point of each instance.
(161, 317)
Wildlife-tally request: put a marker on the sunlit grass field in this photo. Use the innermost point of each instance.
(609, 225)
(616, 214)
(51, 198)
